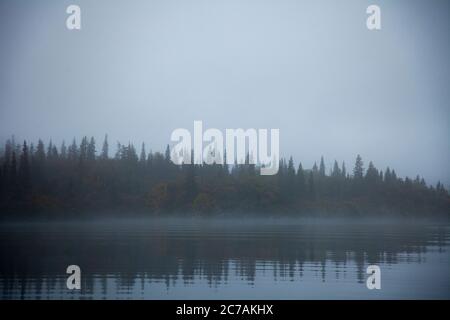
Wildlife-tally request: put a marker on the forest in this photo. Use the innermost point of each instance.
(77, 180)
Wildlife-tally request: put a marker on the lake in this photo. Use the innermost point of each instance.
(224, 259)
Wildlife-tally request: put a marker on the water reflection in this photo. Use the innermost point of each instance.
(222, 259)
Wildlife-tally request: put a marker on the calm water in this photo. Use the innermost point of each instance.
(190, 259)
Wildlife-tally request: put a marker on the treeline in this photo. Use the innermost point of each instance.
(78, 179)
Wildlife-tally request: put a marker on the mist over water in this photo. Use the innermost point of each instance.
(225, 259)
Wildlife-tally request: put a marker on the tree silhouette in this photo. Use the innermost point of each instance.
(322, 167)
(75, 181)
(24, 169)
(358, 170)
(105, 149)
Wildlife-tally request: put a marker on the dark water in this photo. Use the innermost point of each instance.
(190, 259)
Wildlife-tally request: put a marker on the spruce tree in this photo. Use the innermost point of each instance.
(40, 152)
(336, 171)
(83, 149)
(322, 167)
(105, 149)
(290, 182)
(13, 171)
(167, 154)
(344, 170)
(371, 174)
(300, 180)
(142, 157)
(91, 150)
(24, 169)
(73, 152)
(358, 171)
(312, 189)
(315, 170)
(63, 154)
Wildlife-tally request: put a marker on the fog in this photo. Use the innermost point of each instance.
(138, 70)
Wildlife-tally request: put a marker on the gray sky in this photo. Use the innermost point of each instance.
(140, 69)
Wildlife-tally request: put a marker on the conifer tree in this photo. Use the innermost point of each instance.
(336, 171)
(105, 149)
(63, 153)
(13, 171)
(83, 149)
(91, 150)
(24, 169)
(73, 152)
(344, 170)
(312, 189)
(371, 174)
(142, 157)
(322, 167)
(315, 170)
(167, 154)
(358, 171)
(300, 180)
(40, 152)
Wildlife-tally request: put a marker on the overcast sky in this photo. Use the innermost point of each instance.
(140, 69)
